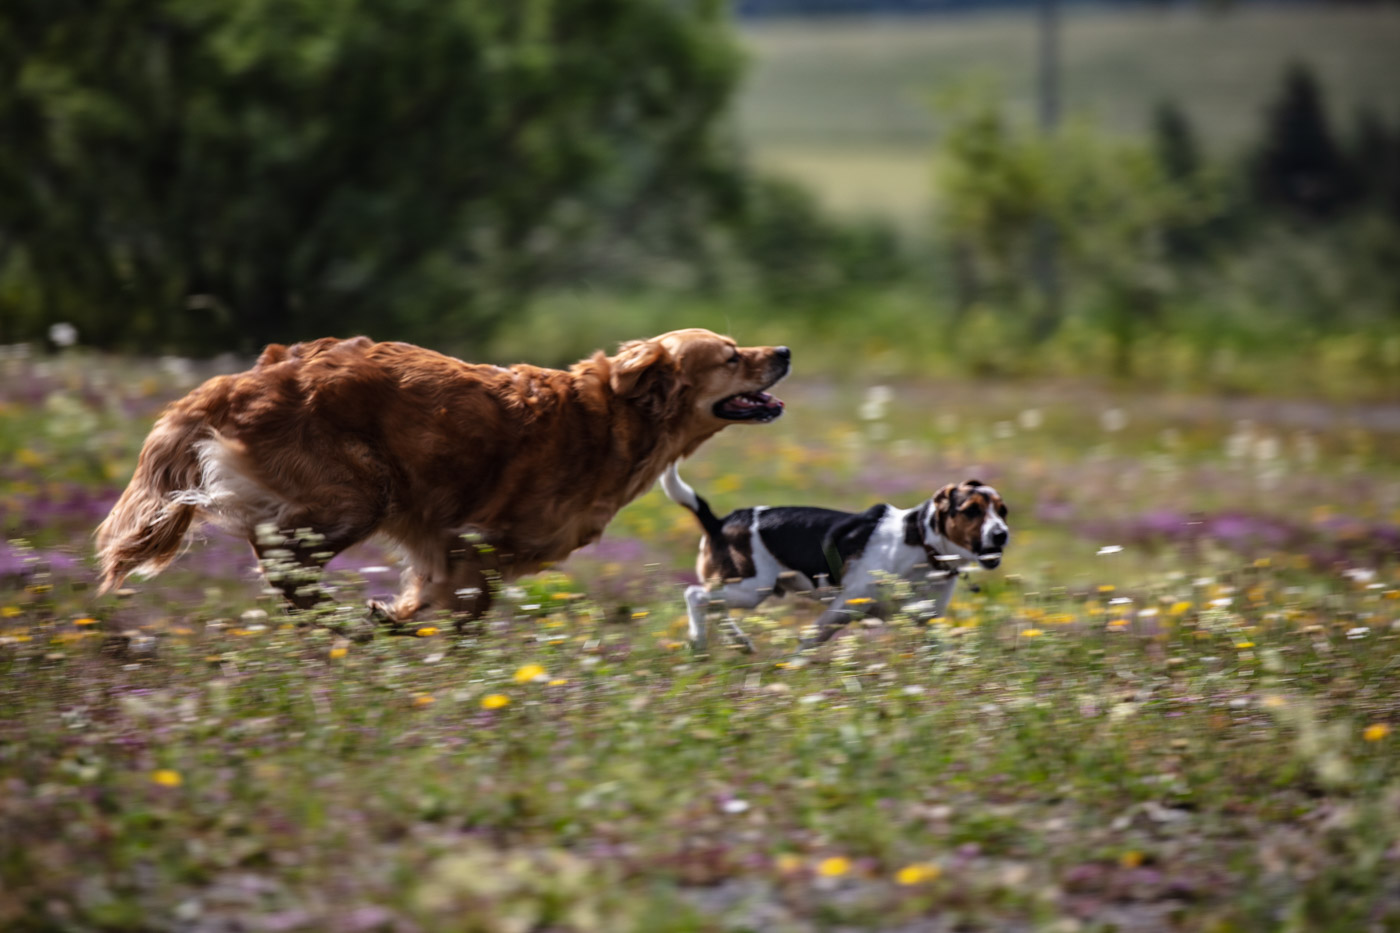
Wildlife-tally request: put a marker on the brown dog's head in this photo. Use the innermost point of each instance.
(971, 518)
(701, 377)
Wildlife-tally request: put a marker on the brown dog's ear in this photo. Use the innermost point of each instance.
(637, 366)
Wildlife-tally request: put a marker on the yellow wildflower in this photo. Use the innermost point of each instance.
(495, 701)
(10, 612)
(834, 867)
(917, 873)
(427, 631)
(338, 652)
(423, 700)
(1375, 732)
(84, 621)
(1032, 633)
(558, 682)
(1180, 608)
(1244, 644)
(529, 673)
(167, 778)
(1107, 588)
(859, 601)
(788, 864)
(1131, 859)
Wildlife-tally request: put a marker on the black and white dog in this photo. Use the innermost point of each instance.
(752, 554)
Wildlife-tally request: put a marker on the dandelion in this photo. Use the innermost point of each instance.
(529, 673)
(165, 777)
(1375, 732)
(558, 682)
(427, 631)
(338, 652)
(1107, 588)
(423, 700)
(1180, 608)
(11, 612)
(917, 873)
(85, 621)
(1131, 859)
(834, 867)
(859, 601)
(63, 334)
(495, 701)
(1032, 633)
(1244, 644)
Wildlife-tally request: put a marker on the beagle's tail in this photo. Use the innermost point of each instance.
(679, 492)
(147, 525)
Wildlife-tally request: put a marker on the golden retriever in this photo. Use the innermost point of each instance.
(478, 472)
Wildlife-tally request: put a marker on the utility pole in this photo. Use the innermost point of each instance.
(1048, 99)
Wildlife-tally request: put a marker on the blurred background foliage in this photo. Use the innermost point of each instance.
(536, 179)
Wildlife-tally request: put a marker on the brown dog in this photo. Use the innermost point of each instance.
(476, 471)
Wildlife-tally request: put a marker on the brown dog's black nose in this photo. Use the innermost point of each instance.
(999, 537)
(783, 353)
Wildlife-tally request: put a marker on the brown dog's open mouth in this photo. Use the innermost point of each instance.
(749, 406)
(989, 559)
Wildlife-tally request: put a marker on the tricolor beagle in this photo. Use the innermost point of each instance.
(754, 553)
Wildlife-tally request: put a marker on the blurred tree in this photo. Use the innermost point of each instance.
(1113, 202)
(1178, 151)
(1298, 166)
(221, 173)
(1375, 157)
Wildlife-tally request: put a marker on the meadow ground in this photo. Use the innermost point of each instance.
(847, 105)
(1172, 708)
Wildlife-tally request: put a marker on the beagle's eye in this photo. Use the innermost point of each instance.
(1003, 511)
(733, 360)
(972, 510)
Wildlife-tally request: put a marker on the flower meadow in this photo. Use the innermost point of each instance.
(1174, 706)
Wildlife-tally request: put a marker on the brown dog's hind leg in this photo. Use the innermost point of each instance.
(294, 561)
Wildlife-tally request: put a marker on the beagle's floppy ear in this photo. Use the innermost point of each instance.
(943, 502)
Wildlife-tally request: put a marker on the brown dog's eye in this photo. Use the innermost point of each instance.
(1003, 511)
(733, 360)
(972, 511)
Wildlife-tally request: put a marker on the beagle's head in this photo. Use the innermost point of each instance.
(971, 518)
(700, 380)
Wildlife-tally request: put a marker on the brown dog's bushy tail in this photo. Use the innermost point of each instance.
(147, 525)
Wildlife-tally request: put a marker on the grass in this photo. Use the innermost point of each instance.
(1192, 732)
(846, 105)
